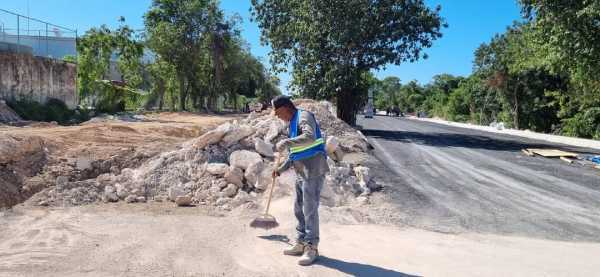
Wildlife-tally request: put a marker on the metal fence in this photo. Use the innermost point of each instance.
(23, 34)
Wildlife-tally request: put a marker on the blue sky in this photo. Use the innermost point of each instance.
(471, 22)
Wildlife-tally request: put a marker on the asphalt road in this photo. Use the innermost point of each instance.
(451, 179)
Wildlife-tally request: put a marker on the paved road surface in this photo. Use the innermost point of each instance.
(452, 179)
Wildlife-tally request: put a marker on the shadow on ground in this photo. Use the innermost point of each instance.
(354, 269)
(280, 238)
(358, 269)
(461, 140)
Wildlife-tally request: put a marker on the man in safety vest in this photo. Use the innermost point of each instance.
(308, 157)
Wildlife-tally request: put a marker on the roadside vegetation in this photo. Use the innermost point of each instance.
(540, 74)
(189, 57)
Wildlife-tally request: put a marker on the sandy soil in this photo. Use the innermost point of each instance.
(104, 138)
(87, 150)
(158, 239)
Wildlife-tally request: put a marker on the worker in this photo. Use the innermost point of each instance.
(308, 157)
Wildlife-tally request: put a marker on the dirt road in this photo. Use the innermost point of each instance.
(455, 203)
(161, 240)
(460, 180)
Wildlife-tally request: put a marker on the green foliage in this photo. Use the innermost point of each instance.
(95, 52)
(201, 57)
(584, 124)
(52, 110)
(331, 45)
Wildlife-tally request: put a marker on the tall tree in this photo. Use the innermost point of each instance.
(96, 50)
(331, 44)
(176, 31)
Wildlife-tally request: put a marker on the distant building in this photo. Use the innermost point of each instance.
(42, 46)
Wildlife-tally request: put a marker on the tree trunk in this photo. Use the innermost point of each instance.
(516, 109)
(183, 95)
(346, 106)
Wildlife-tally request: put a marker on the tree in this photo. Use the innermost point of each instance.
(175, 31)
(568, 31)
(96, 48)
(331, 44)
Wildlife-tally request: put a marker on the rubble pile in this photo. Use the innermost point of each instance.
(7, 115)
(227, 167)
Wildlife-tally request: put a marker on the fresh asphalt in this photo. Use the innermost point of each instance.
(450, 179)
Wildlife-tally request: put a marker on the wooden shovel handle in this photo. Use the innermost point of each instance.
(272, 184)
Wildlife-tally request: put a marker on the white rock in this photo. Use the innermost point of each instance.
(274, 130)
(201, 195)
(247, 142)
(131, 199)
(122, 191)
(140, 199)
(362, 200)
(353, 144)
(328, 197)
(264, 148)
(264, 178)
(223, 201)
(217, 168)
(331, 145)
(83, 164)
(253, 171)
(62, 180)
(183, 200)
(243, 158)
(209, 138)
(175, 192)
(230, 190)
(236, 134)
(110, 194)
(226, 127)
(339, 154)
(355, 158)
(235, 176)
(363, 173)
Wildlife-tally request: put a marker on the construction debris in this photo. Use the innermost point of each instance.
(527, 152)
(7, 115)
(551, 152)
(228, 167)
(567, 160)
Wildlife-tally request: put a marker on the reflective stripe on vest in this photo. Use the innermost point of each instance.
(306, 151)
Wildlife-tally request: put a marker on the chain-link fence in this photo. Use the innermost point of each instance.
(23, 34)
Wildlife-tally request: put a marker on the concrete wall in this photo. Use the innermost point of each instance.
(37, 78)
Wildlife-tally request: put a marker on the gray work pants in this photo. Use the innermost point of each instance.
(306, 208)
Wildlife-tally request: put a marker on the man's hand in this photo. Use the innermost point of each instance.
(283, 145)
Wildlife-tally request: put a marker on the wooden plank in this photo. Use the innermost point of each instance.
(551, 152)
(566, 160)
(527, 152)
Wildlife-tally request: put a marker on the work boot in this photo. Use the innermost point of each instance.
(296, 250)
(310, 255)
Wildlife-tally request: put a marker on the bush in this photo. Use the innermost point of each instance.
(53, 110)
(584, 124)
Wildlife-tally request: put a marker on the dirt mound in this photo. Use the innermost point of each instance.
(7, 115)
(227, 167)
(20, 157)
